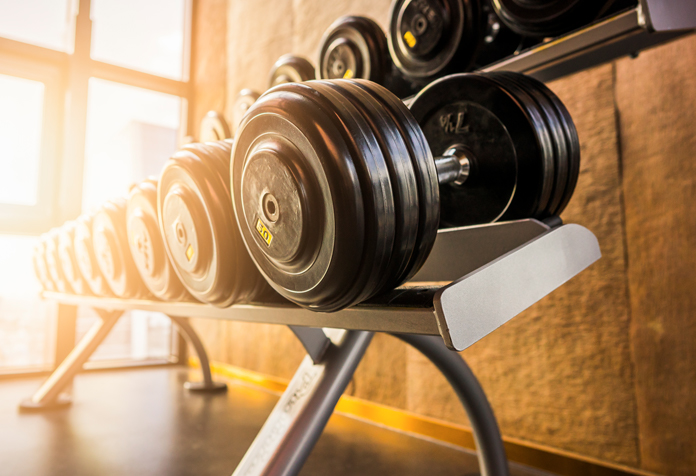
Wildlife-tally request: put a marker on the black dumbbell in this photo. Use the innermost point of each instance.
(547, 18)
(290, 69)
(40, 266)
(245, 99)
(86, 259)
(200, 234)
(337, 193)
(147, 246)
(55, 270)
(355, 47)
(214, 127)
(112, 253)
(68, 260)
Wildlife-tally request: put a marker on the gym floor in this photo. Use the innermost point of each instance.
(143, 422)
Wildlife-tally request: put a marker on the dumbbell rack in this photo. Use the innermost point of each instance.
(475, 279)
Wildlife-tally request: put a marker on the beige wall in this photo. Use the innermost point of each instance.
(605, 366)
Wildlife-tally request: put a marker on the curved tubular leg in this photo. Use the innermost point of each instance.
(49, 394)
(208, 384)
(489, 443)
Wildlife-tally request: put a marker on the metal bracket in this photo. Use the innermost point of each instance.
(314, 340)
(208, 384)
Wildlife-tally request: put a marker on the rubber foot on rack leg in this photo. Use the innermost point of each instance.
(30, 406)
(202, 387)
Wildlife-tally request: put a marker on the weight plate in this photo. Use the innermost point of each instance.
(424, 171)
(290, 69)
(86, 259)
(242, 103)
(55, 270)
(558, 133)
(546, 145)
(196, 220)
(429, 38)
(40, 266)
(68, 261)
(401, 175)
(214, 127)
(110, 244)
(545, 18)
(146, 244)
(498, 41)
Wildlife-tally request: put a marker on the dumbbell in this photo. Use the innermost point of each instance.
(337, 193)
(547, 18)
(355, 47)
(290, 69)
(244, 100)
(40, 267)
(86, 259)
(146, 244)
(112, 253)
(214, 127)
(68, 259)
(200, 234)
(55, 270)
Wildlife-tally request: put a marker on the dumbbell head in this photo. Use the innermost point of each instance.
(335, 192)
(40, 266)
(55, 270)
(544, 18)
(354, 47)
(147, 246)
(68, 260)
(429, 38)
(242, 103)
(86, 259)
(110, 244)
(290, 69)
(214, 127)
(517, 138)
(197, 223)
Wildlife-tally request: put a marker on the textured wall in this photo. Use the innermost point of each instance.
(605, 365)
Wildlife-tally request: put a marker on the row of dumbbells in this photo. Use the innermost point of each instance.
(331, 192)
(428, 39)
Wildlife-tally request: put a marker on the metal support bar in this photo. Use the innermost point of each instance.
(299, 417)
(314, 340)
(190, 335)
(49, 394)
(489, 443)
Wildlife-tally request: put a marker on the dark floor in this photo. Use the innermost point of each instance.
(142, 422)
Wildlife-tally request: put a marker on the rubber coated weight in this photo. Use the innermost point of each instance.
(354, 47)
(546, 18)
(86, 259)
(55, 270)
(242, 103)
(40, 266)
(68, 260)
(498, 40)
(146, 244)
(430, 38)
(290, 69)
(214, 127)
(110, 244)
(200, 235)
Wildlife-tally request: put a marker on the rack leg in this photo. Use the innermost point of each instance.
(49, 395)
(489, 443)
(208, 384)
(299, 417)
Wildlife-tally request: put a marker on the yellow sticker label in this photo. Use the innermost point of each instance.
(348, 74)
(263, 231)
(189, 252)
(410, 39)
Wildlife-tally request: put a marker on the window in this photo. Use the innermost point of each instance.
(92, 96)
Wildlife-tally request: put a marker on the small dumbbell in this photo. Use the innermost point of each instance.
(68, 259)
(290, 69)
(86, 259)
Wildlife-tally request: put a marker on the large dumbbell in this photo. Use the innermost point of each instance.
(147, 246)
(290, 69)
(55, 269)
(40, 266)
(112, 253)
(86, 259)
(355, 47)
(337, 193)
(68, 259)
(200, 234)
